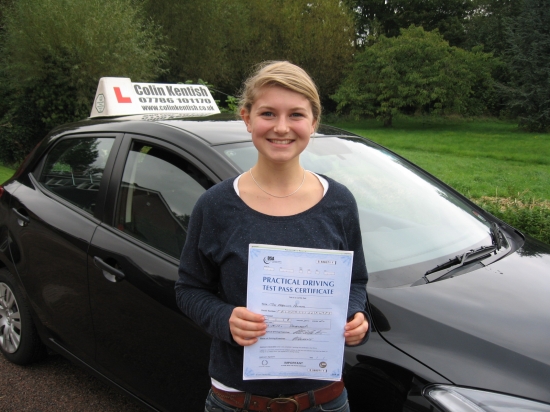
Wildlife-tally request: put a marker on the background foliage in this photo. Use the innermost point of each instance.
(528, 56)
(417, 71)
(529, 217)
(52, 54)
(362, 52)
(221, 40)
(375, 18)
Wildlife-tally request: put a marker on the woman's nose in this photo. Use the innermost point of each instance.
(281, 126)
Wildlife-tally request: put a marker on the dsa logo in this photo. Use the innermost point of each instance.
(269, 259)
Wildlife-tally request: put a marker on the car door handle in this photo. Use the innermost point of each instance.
(22, 220)
(110, 273)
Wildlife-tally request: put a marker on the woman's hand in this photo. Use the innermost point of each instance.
(246, 326)
(356, 329)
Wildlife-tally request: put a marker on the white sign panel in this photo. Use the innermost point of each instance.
(118, 96)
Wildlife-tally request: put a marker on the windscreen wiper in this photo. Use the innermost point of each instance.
(496, 235)
(473, 255)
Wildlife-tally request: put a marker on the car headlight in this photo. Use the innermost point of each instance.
(456, 399)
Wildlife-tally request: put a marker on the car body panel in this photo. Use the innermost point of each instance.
(485, 329)
(5, 236)
(144, 343)
(52, 250)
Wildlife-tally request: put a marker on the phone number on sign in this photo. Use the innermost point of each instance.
(170, 100)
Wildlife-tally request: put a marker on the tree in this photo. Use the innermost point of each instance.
(487, 27)
(388, 17)
(53, 54)
(417, 71)
(221, 40)
(528, 58)
(488, 24)
(4, 4)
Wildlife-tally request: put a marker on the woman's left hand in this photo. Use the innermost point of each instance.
(356, 329)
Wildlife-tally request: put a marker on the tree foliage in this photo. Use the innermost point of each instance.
(488, 25)
(221, 40)
(528, 57)
(4, 4)
(387, 17)
(417, 71)
(53, 54)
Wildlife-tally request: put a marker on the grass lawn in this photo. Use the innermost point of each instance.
(478, 157)
(5, 174)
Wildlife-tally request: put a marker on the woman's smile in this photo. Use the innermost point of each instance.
(281, 142)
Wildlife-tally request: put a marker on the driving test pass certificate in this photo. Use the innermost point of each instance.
(303, 295)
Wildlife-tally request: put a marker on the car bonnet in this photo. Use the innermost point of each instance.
(488, 328)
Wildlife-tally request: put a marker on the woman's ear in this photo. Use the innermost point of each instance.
(245, 115)
(313, 125)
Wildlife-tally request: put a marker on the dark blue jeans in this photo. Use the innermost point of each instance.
(340, 404)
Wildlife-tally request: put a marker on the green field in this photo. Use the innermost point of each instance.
(5, 174)
(478, 158)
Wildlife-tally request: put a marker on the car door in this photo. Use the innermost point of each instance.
(143, 340)
(53, 219)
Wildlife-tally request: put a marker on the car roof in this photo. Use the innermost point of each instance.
(213, 130)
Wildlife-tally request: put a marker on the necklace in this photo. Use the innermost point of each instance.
(266, 192)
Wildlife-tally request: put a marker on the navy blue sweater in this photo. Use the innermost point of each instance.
(214, 265)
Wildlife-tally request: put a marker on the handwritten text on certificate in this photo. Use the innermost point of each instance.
(303, 295)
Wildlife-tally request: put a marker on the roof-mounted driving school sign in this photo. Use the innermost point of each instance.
(118, 96)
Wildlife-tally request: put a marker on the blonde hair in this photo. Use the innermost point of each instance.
(283, 74)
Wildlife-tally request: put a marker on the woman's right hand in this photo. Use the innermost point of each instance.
(246, 326)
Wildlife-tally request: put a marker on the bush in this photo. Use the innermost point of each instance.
(530, 217)
(419, 72)
(53, 53)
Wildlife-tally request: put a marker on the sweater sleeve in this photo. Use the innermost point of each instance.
(359, 276)
(197, 287)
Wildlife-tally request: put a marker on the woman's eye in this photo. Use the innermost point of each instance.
(297, 115)
(267, 114)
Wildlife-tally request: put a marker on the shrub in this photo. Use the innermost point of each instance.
(419, 72)
(53, 53)
(531, 217)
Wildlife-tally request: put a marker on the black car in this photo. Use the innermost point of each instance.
(93, 223)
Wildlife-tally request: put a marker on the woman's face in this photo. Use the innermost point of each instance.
(281, 123)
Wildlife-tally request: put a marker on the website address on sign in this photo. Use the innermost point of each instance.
(173, 107)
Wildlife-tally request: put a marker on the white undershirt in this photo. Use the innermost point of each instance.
(321, 179)
(324, 182)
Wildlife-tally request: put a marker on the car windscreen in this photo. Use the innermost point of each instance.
(409, 221)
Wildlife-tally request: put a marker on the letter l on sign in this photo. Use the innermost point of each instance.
(120, 98)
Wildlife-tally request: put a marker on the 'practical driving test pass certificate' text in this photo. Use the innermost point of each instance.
(303, 295)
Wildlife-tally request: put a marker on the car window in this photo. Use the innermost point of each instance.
(409, 222)
(74, 167)
(158, 192)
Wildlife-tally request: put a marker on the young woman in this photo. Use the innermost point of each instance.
(276, 202)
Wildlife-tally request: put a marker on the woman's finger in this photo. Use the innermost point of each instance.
(244, 313)
(355, 322)
(246, 326)
(356, 329)
(244, 319)
(245, 342)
